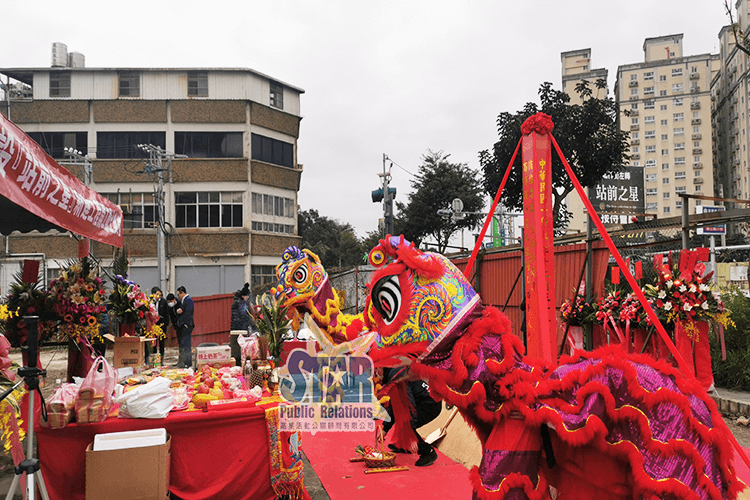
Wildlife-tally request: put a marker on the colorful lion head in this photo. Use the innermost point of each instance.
(300, 275)
(418, 298)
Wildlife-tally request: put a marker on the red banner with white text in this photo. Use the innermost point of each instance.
(30, 178)
(539, 252)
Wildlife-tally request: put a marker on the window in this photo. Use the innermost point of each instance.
(272, 227)
(634, 91)
(54, 143)
(676, 71)
(678, 117)
(665, 166)
(665, 152)
(667, 210)
(679, 131)
(651, 149)
(679, 160)
(664, 137)
(269, 204)
(680, 189)
(636, 163)
(634, 106)
(138, 209)
(697, 130)
(59, 84)
(697, 189)
(634, 77)
(649, 104)
(696, 144)
(650, 134)
(650, 177)
(208, 209)
(634, 121)
(663, 107)
(260, 275)
(698, 158)
(650, 191)
(649, 120)
(676, 87)
(277, 95)
(635, 149)
(651, 206)
(698, 203)
(634, 135)
(665, 195)
(110, 145)
(662, 78)
(197, 84)
(648, 91)
(694, 69)
(677, 101)
(272, 151)
(697, 173)
(679, 175)
(679, 146)
(678, 204)
(130, 84)
(648, 75)
(662, 93)
(209, 144)
(665, 180)
(650, 163)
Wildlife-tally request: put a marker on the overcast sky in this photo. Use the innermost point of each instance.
(397, 78)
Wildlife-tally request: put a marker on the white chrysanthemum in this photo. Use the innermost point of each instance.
(683, 288)
(662, 294)
(668, 306)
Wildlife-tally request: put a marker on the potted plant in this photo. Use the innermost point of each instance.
(271, 319)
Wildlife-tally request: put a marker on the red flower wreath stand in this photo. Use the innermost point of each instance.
(691, 340)
(80, 358)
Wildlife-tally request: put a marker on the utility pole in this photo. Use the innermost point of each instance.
(76, 159)
(159, 161)
(386, 194)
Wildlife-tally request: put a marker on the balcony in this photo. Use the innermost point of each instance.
(635, 142)
(695, 105)
(633, 127)
(635, 156)
(695, 76)
(633, 97)
(634, 112)
(633, 83)
(698, 165)
(695, 89)
(695, 121)
(696, 137)
(698, 180)
(697, 151)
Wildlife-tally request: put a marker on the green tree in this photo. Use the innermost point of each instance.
(588, 134)
(333, 241)
(436, 185)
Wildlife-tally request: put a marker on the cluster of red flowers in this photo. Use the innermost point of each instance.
(77, 297)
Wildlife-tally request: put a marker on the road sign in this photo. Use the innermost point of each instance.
(710, 230)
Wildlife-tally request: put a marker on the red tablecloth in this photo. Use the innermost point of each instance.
(216, 455)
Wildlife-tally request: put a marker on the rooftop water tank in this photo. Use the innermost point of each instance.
(76, 60)
(59, 55)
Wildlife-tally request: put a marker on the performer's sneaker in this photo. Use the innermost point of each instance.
(426, 459)
(396, 449)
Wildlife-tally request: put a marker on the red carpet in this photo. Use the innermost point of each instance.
(329, 454)
(740, 468)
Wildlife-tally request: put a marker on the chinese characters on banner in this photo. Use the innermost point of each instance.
(619, 196)
(33, 180)
(539, 250)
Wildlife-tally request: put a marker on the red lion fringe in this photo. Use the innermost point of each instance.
(513, 480)
(294, 491)
(403, 434)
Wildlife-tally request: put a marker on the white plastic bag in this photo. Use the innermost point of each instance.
(152, 400)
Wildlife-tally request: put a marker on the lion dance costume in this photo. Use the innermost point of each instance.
(599, 425)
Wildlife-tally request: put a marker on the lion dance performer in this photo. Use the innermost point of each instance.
(599, 425)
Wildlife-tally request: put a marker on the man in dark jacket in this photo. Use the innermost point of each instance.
(163, 309)
(427, 410)
(184, 326)
(241, 320)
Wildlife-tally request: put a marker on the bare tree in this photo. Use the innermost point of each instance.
(743, 43)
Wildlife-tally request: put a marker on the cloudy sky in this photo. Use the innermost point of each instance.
(384, 77)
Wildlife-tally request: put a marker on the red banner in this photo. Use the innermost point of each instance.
(29, 177)
(539, 256)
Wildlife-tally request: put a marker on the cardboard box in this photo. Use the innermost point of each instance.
(130, 351)
(141, 473)
(215, 354)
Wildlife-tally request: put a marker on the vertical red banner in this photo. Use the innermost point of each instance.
(539, 252)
